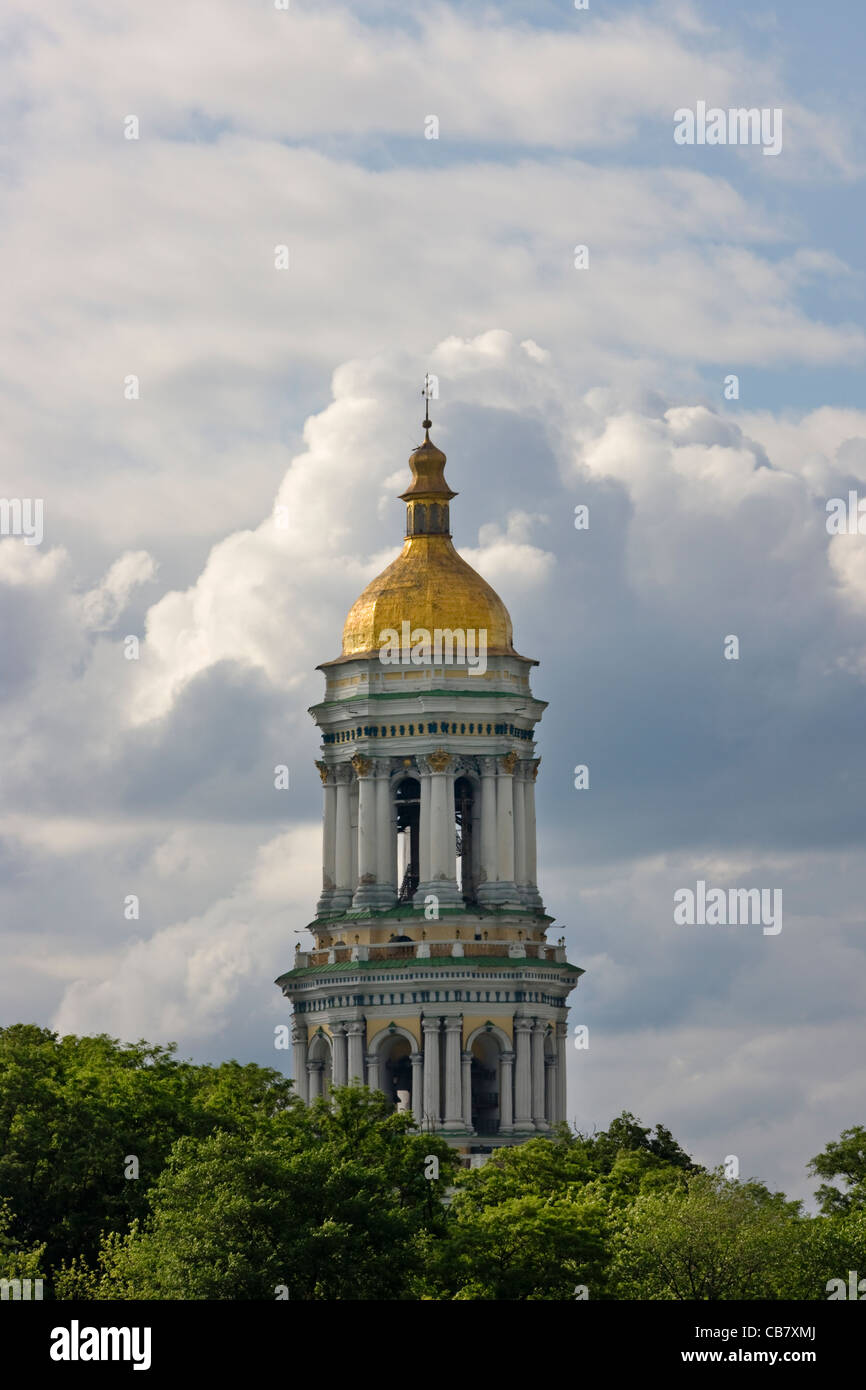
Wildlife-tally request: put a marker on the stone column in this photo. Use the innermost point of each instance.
(431, 1027)
(441, 878)
(386, 839)
(417, 1060)
(424, 825)
(523, 1075)
(519, 789)
(506, 1095)
(550, 1069)
(532, 894)
(561, 1075)
(341, 899)
(538, 1032)
(453, 1088)
(366, 893)
(356, 1030)
(466, 1066)
(339, 1068)
(488, 873)
(373, 1071)
(329, 839)
(314, 1071)
(507, 889)
(299, 1057)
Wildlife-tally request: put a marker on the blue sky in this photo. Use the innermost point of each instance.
(155, 258)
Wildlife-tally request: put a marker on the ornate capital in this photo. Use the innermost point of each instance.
(506, 1058)
(535, 765)
(363, 766)
(439, 761)
(452, 1023)
(487, 766)
(356, 1026)
(431, 1025)
(509, 762)
(523, 1025)
(343, 773)
(323, 770)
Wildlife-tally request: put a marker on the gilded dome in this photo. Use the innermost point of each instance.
(429, 585)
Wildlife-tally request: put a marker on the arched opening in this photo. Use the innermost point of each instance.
(464, 818)
(395, 1071)
(319, 1066)
(407, 801)
(485, 1084)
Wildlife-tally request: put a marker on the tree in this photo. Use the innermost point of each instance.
(844, 1158)
(74, 1111)
(330, 1203)
(707, 1238)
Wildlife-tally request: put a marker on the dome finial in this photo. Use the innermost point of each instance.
(427, 393)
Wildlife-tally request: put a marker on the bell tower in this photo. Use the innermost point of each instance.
(431, 977)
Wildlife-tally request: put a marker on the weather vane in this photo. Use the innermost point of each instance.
(427, 394)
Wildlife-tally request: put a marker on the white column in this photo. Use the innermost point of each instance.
(329, 838)
(417, 1060)
(505, 819)
(453, 1088)
(386, 840)
(519, 789)
(530, 834)
(339, 1073)
(522, 1074)
(314, 1071)
(366, 891)
(441, 876)
(424, 824)
(488, 872)
(439, 825)
(342, 897)
(466, 1061)
(372, 1071)
(538, 1032)
(506, 1093)
(431, 1028)
(356, 1030)
(299, 1058)
(550, 1069)
(561, 1076)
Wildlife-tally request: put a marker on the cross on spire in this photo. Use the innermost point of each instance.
(427, 394)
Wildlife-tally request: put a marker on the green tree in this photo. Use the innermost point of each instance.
(73, 1110)
(707, 1238)
(844, 1158)
(331, 1203)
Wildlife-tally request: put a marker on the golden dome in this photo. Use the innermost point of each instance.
(429, 585)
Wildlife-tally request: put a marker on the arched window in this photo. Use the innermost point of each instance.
(408, 805)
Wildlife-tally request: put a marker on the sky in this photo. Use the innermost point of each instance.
(166, 386)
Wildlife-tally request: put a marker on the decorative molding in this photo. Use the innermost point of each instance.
(363, 766)
(439, 761)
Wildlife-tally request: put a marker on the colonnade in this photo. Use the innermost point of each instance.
(531, 1078)
(360, 833)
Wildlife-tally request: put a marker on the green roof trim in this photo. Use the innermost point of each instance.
(404, 694)
(346, 967)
